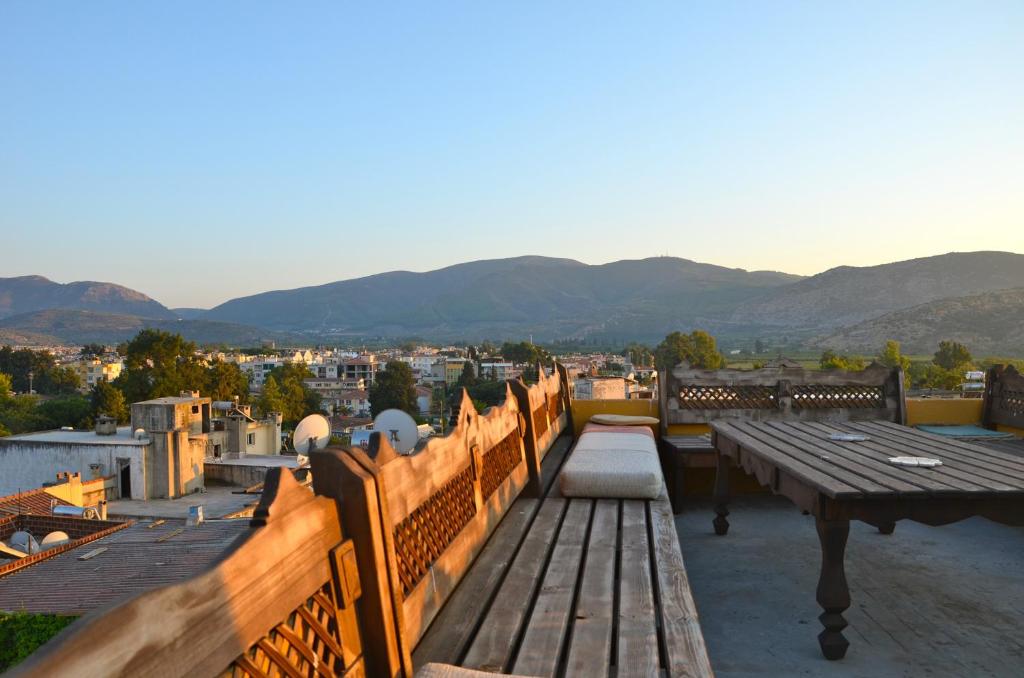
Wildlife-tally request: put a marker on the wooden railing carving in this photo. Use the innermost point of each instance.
(1004, 397)
(424, 518)
(548, 403)
(281, 602)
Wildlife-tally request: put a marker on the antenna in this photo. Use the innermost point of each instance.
(398, 428)
(312, 433)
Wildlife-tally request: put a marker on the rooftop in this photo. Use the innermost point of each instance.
(217, 501)
(135, 560)
(36, 501)
(122, 437)
(938, 601)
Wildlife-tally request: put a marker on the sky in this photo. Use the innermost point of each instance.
(200, 151)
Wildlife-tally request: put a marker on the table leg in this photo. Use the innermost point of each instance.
(721, 494)
(833, 592)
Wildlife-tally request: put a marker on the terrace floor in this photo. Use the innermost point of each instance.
(927, 601)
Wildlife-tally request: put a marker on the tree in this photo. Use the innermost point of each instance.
(108, 400)
(224, 381)
(697, 348)
(523, 353)
(952, 356)
(468, 377)
(5, 388)
(159, 364)
(271, 399)
(759, 346)
(297, 399)
(46, 376)
(73, 411)
(394, 388)
(93, 350)
(830, 360)
(892, 357)
(638, 354)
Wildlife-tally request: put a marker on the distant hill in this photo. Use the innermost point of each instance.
(989, 324)
(81, 327)
(550, 298)
(30, 293)
(188, 313)
(846, 295)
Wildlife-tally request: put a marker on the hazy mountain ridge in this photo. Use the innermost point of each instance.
(989, 324)
(551, 298)
(26, 294)
(848, 295)
(54, 326)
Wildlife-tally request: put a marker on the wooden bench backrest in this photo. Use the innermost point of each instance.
(698, 396)
(548, 411)
(1004, 397)
(292, 572)
(419, 521)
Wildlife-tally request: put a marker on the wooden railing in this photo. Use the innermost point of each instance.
(280, 602)
(340, 581)
(1004, 398)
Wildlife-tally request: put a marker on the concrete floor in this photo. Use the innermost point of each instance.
(926, 601)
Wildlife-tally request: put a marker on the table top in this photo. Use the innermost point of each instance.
(851, 470)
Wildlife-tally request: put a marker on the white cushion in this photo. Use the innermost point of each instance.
(623, 420)
(433, 670)
(612, 465)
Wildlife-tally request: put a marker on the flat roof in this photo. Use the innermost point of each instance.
(172, 400)
(122, 437)
(133, 562)
(268, 460)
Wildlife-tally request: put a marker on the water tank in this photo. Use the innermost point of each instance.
(55, 539)
(24, 542)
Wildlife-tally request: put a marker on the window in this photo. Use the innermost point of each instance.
(251, 439)
(195, 409)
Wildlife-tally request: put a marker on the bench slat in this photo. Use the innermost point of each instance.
(686, 653)
(638, 633)
(549, 621)
(591, 642)
(494, 643)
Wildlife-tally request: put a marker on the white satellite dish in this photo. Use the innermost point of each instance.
(398, 428)
(312, 433)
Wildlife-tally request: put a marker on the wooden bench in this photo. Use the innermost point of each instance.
(463, 553)
(529, 582)
(1004, 407)
(691, 398)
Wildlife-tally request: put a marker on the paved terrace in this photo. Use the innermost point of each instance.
(926, 601)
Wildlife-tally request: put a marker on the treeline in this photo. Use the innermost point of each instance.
(156, 364)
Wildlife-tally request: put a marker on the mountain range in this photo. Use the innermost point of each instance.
(919, 301)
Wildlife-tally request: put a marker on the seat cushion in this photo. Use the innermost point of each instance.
(613, 464)
(623, 420)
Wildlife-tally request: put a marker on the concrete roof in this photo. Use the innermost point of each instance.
(122, 437)
(267, 460)
(173, 400)
(133, 562)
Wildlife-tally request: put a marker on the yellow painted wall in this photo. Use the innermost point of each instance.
(943, 411)
(583, 410)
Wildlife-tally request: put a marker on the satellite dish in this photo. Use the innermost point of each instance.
(398, 428)
(312, 433)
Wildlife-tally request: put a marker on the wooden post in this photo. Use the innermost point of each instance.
(522, 394)
(352, 475)
(563, 375)
(833, 592)
(721, 493)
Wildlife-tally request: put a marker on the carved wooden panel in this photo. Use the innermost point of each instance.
(307, 643)
(540, 421)
(423, 536)
(833, 396)
(499, 461)
(726, 397)
(554, 405)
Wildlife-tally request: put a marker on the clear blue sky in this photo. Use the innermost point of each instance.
(201, 151)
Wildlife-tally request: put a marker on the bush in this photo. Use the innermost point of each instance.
(21, 633)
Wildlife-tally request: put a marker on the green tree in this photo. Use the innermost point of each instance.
(109, 400)
(158, 364)
(271, 398)
(37, 369)
(224, 381)
(638, 354)
(5, 388)
(830, 360)
(298, 399)
(468, 377)
(75, 411)
(891, 356)
(697, 348)
(93, 350)
(523, 353)
(394, 387)
(952, 356)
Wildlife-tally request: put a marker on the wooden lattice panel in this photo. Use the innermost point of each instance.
(430, 528)
(540, 421)
(1012, 402)
(738, 397)
(833, 396)
(499, 462)
(554, 406)
(307, 643)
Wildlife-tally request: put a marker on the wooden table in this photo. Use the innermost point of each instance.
(842, 481)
